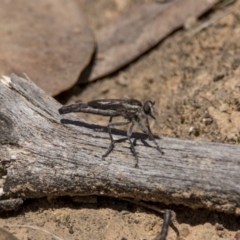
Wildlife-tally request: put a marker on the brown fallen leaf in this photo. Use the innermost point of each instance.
(48, 40)
(140, 29)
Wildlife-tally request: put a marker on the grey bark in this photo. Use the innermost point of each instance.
(45, 154)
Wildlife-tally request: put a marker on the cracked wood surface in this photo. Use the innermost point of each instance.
(45, 154)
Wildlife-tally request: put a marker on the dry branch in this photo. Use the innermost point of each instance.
(44, 154)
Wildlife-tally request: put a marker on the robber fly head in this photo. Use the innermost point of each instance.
(148, 108)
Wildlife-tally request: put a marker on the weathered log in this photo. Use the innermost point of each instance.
(45, 154)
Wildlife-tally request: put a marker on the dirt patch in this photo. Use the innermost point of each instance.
(195, 81)
(111, 219)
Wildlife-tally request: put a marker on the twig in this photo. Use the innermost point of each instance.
(168, 216)
(205, 25)
(166, 221)
(32, 227)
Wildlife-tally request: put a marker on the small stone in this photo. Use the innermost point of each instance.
(219, 226)
(71, 230)
(122, 81)
(237, 236)
(184, 232)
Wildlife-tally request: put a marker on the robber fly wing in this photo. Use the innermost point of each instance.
(105, 104)
(115, 104)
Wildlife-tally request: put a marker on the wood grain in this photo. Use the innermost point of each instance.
(45, 154)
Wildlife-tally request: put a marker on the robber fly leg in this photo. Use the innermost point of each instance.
(111, 146)
(112, 124)
(129, 134)
(147, 130)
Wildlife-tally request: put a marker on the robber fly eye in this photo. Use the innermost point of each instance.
(148, 108)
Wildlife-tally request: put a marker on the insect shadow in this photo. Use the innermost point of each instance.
(136, 136)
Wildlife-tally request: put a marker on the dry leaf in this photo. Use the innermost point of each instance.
(48, 40)
(140, 29)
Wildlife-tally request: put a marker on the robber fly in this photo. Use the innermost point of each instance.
(131, 109)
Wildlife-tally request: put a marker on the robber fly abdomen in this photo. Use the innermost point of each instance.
(131, 109)
(85, 107)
